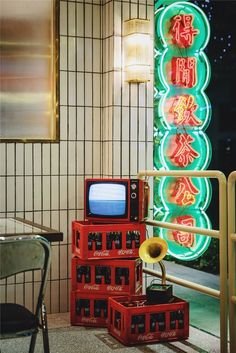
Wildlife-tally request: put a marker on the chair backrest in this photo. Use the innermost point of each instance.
(25, 253)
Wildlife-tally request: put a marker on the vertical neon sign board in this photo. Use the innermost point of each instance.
(182, 114)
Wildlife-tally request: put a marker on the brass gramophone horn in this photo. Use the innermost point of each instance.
(153, 250)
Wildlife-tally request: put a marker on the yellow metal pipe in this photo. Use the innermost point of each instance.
(222, 235)
(175, 226)
(231, 260)
(163, 272)
(188, 284)
(223, 247)
(215, 174)
(232, 237)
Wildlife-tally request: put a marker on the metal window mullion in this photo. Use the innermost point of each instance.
(232, 260)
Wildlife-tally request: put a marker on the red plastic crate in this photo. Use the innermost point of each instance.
(88, 309)
(132, 321)
(102, 241)
(122, 277)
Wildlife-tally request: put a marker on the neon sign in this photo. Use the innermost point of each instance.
(183, 109)
(184, 71)
(182, 30)
(184, 192)
(184, 154)
(184, 239)
(182, 114)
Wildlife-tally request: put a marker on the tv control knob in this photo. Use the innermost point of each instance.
(133, 195)
(133, 186)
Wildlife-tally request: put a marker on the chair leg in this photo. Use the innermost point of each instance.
(45, 329)
(32, 342)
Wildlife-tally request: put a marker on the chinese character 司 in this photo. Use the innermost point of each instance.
(182, 238)
(184, 192)
(183, 109)
(183, 31)
(184, 71)
(184, 154)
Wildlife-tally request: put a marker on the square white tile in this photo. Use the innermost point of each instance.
(46, 193)
(88, 55)
(10, 159)
(96, 57)
(72, 88)
(80, 54)
(46, 159)
(63, 17)
(71, 157)
(71, 18)
(71, 52)
(80, 19)
(63, 52)
(96, 21)
(72, 124)
(88, 20)
(37, 185)
(10, 194)
(96, 90)
(71, 195)
(3, 149)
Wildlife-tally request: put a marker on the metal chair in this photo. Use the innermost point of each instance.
(21, 254)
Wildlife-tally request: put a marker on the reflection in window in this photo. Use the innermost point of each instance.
(28, 92)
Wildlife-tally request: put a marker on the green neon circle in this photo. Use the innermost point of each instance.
(202, 68)
(201, 242)
(165, 147)
(165, 120)
(202, 196)
(200, 21)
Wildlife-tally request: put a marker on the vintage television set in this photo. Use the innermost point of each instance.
(116, 200)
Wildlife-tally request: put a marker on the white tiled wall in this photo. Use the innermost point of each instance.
(105, 130)
(128, 108)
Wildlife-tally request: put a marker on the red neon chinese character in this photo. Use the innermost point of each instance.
(184, 71)
(184, 239)
(184, 192)
(183, 109)
(184, 154)
(183, 31)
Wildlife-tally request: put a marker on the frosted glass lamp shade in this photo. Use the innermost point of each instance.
(137, 50)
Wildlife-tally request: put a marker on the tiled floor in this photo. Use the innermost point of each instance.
(67, 339)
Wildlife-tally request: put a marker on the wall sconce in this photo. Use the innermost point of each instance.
(137, 50)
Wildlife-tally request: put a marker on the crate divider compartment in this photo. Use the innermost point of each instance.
(107, 241)
(133, 321)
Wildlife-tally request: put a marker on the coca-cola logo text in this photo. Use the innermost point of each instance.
(125, 252)
(91, 286)
(101, 253)
(89, 319)
(148, 336)
(115, 288)
(168, 334)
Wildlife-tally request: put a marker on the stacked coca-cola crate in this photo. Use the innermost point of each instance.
(105, 263)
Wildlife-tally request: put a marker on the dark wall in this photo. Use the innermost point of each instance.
(221, 91)
(221, 52)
